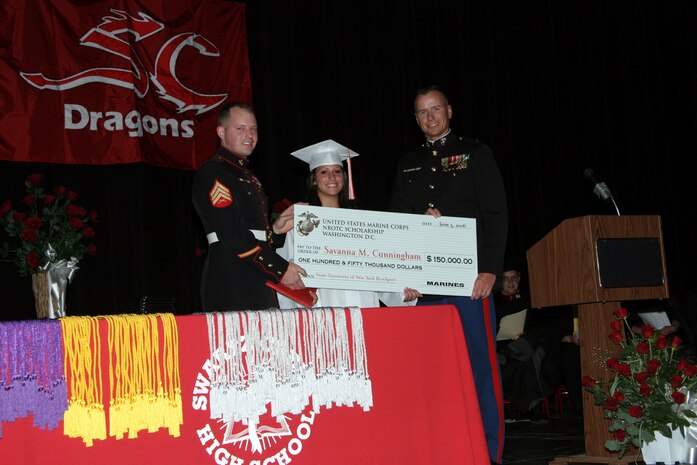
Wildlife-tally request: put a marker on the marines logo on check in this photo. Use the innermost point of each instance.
(307, 225)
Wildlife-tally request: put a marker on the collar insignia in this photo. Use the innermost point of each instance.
(436, 142)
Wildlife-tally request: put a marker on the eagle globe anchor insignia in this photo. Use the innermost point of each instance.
(307, 225)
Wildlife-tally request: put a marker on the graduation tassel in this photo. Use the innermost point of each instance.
(145, 384)
(286, 361)
(352, 194)
(85, 416)
(32, 380)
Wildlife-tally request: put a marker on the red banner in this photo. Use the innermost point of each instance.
(118, 81)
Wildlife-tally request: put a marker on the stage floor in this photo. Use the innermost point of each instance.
(541, 439)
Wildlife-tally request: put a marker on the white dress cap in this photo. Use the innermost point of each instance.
(324, 153)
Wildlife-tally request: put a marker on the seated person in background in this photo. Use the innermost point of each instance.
(509, 300)
(562, 366)
(520, 360)
(545, 355)
(327, 186)
(552, 330)
(666, 315)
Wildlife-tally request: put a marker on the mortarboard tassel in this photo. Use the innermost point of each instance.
(32, 380)
(145, 386)
(352, 194)
(291, 360)
(85, 416)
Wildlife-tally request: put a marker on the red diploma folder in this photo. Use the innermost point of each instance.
(301, 296)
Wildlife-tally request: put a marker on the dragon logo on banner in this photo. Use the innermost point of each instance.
(111, 37)
(101, 83)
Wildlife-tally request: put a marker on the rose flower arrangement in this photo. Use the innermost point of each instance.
(647, 394)
(48, 227)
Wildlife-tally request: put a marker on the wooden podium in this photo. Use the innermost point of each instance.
(595, 262)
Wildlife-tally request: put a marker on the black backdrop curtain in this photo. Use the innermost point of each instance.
(553, 87)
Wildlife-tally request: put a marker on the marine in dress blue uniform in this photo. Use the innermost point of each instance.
(232, 206)
(458, 176)
(238, 262)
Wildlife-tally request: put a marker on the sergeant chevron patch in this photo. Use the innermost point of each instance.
(220, 195)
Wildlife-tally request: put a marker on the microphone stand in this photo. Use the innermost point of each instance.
(601, 190)
(603, 193)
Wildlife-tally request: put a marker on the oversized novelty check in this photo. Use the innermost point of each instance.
(378, 251)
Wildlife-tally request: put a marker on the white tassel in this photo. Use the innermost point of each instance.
(286, 358)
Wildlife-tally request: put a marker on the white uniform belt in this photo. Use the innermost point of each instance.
(258, 235)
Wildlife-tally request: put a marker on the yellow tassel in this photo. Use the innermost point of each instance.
(85, 415)
(145, 391)
(144, 384)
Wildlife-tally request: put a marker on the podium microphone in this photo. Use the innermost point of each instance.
(600, 188)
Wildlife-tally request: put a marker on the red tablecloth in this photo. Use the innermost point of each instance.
(425, 409)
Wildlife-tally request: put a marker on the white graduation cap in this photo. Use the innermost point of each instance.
(325, 153)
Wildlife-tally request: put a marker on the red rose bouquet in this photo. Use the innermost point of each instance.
(46, 226)
(648, 391)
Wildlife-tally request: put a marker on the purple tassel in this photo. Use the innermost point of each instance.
(31, 372)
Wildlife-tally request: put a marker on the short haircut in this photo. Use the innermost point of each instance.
(425, 90)
(224, 113)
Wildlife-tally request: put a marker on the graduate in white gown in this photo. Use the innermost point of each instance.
(328, 186)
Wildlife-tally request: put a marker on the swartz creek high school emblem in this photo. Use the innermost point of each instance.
(220, 195)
